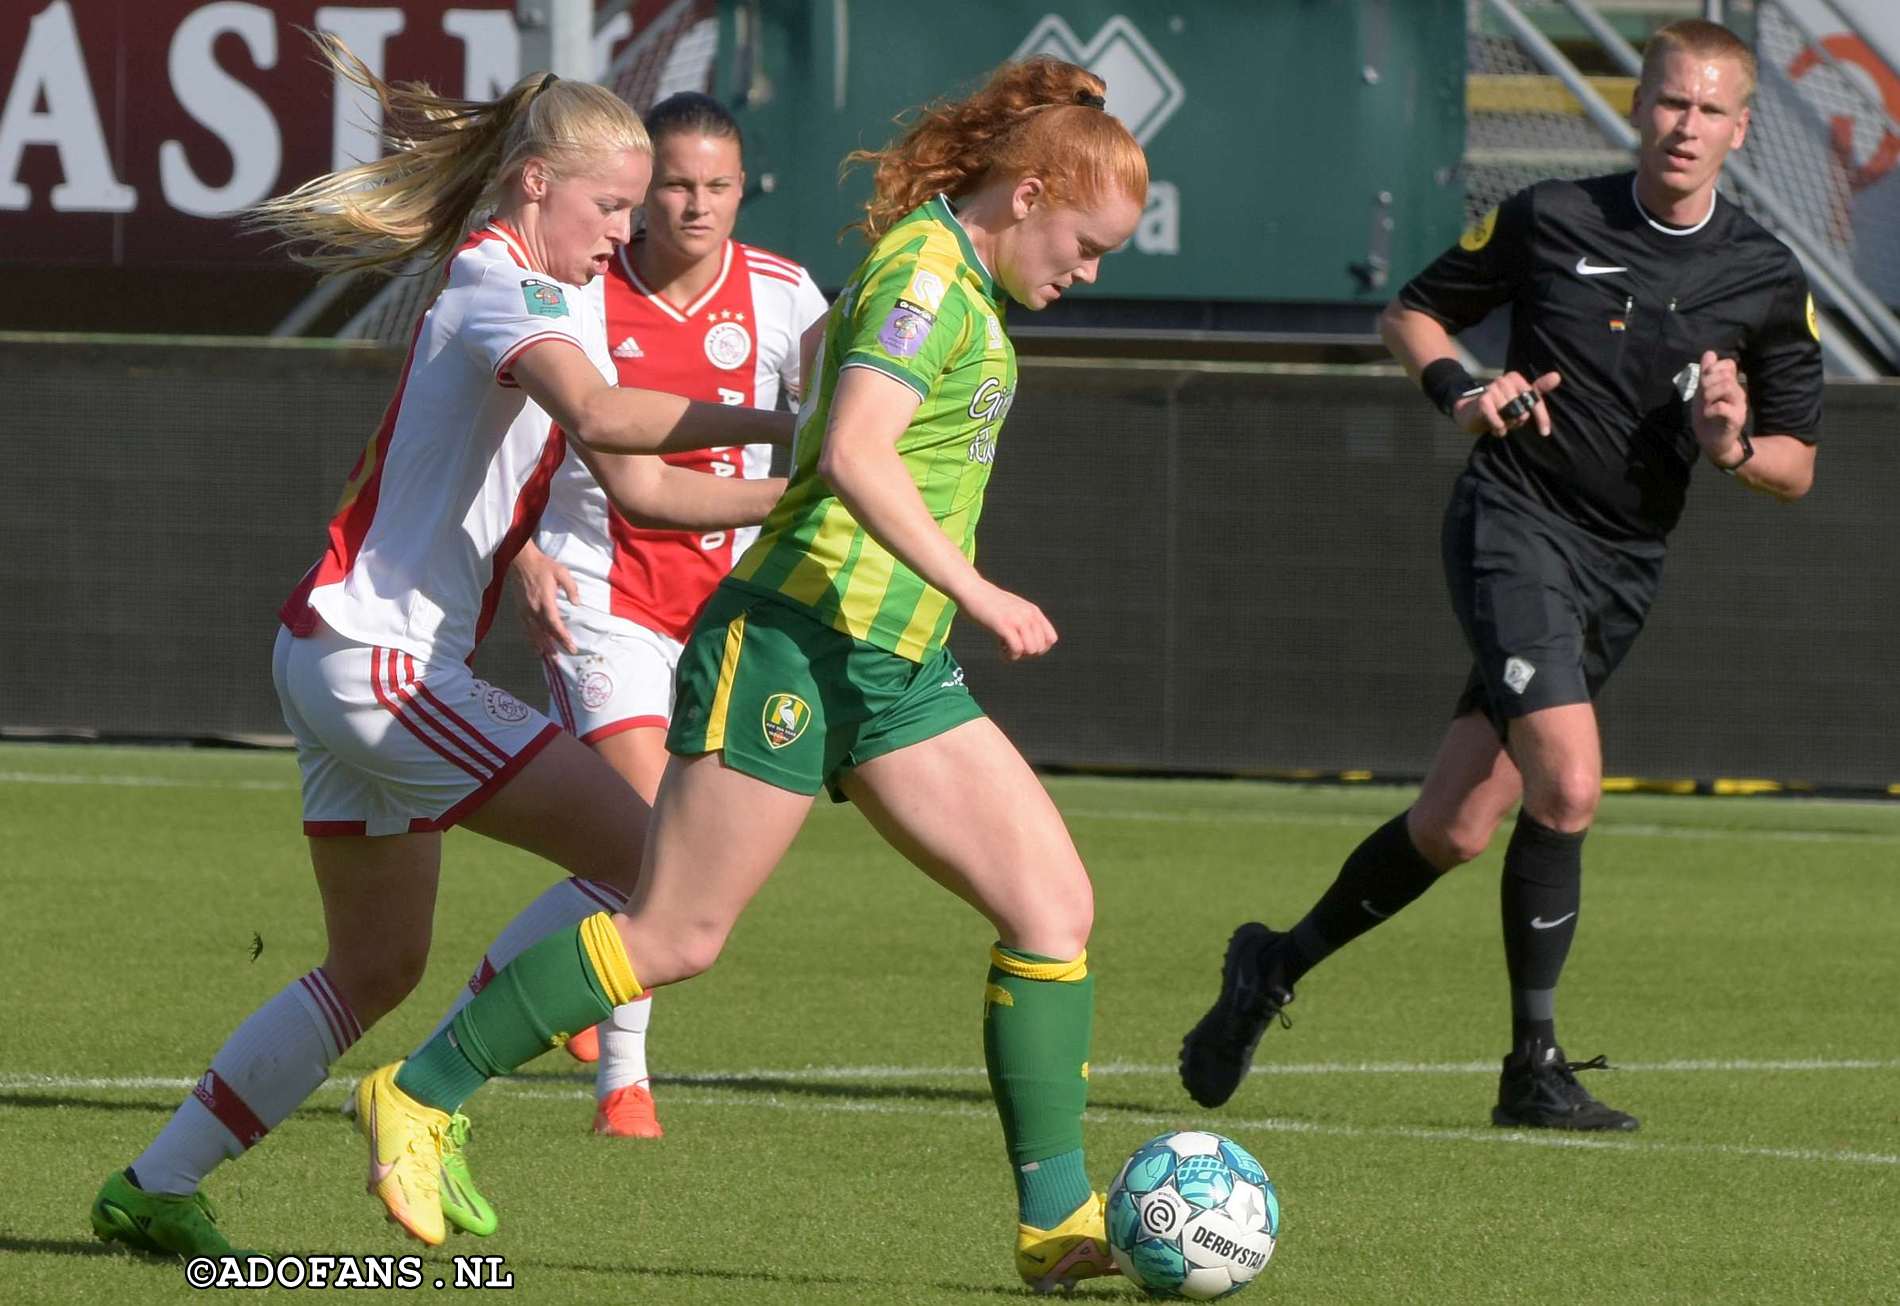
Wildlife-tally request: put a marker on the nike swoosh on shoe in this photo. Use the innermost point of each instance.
(378, 1170)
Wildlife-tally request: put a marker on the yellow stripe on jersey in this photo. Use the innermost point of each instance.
(811, 577)
(921, 309)
(808, 581)
(609, 958)
(722, 695)
(1063, 971)
(869, 581)
(915, 641)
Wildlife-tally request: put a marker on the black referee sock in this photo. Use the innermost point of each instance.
(1383, 875)
(1540, 896)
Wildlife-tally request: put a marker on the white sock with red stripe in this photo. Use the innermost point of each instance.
(623, 1047)
(275, 1060)
(570, 902)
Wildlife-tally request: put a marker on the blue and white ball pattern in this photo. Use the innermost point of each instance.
(1192, 1215)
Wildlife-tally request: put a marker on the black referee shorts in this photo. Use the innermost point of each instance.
(1548, 609)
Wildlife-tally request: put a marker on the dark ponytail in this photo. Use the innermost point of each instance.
(689, 112)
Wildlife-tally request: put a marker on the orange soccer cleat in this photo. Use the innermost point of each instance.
(628, 1113)
(584, 1047)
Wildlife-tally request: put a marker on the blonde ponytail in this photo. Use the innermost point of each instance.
(451, 162)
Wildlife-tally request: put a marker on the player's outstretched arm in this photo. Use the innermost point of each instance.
(860, 462)
(612, 419)
(659, 496)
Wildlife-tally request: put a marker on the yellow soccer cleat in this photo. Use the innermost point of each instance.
(405, 1153)
(1053, 1260)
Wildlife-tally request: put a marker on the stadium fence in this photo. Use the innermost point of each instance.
(1242, 561)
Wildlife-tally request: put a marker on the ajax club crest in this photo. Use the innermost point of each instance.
(786, 716)
(728, 343)
(502, 707)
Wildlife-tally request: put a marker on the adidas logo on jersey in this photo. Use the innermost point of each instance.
(629, 348)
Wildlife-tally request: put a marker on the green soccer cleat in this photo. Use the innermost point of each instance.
(156, 1222)
(462, 1203)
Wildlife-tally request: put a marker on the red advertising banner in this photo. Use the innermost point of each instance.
(131, 130)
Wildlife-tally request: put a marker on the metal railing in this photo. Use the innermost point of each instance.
(1839, 289)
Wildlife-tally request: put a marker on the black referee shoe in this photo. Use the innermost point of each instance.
(1216, 1053)
(1539, 1090)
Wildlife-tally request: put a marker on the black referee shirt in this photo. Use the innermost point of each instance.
(1621, 307)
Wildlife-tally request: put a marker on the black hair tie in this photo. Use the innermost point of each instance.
(1090, 100)
(546, 82)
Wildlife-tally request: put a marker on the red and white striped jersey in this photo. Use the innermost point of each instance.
(456, 476)
(736, 344)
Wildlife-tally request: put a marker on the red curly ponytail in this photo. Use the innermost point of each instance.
(1040, 117)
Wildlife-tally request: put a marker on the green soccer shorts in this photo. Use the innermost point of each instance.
(793, 702)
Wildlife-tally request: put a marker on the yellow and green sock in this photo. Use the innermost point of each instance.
(1037, 1013)
(569, 981)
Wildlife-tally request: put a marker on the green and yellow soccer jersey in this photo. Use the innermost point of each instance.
(923, 310)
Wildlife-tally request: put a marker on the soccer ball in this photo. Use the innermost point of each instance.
(1192, 1215)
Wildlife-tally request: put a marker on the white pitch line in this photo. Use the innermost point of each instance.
(1324, 820)
(820, 1074)
(1267, 1125)
(705, 1090)
(137, 781)
(1627, 829)
(1106, 1069)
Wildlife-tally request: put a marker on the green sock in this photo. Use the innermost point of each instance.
(1036, 1017)
(531, 1005)
(1047, 1191)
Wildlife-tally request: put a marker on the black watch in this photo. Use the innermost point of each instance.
(1748, 451)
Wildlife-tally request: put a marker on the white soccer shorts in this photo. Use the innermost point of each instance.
(389, 744)
(621, 679)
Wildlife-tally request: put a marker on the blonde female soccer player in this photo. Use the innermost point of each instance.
(526, 200)
(693, 312)
(821, 662)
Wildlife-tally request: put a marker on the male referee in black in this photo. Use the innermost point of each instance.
(1652, 319)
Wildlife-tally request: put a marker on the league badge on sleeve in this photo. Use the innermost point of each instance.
(1478, 234)
(904, 330)
(543, 299)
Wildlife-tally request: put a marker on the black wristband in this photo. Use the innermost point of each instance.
(1445, 382)
(1748, 451)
